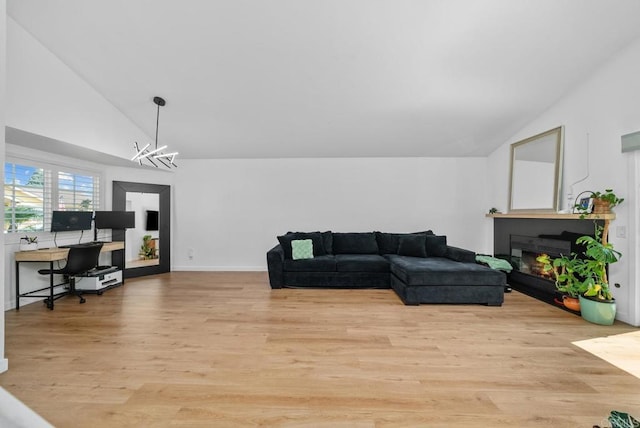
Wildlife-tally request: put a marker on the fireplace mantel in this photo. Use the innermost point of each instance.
(553, 216)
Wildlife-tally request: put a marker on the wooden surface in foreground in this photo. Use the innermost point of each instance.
(204, 349)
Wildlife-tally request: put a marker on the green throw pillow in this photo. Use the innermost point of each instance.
(301, 249)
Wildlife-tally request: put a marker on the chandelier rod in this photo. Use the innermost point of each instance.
(159, 102)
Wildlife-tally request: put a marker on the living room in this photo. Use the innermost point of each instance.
(228, 209)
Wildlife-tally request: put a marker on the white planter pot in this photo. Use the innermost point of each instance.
(28, 246)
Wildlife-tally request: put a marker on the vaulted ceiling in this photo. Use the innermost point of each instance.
(332, 78)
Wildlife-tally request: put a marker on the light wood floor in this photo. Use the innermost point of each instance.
(201, 349)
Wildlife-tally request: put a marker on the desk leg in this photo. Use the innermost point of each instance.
(17, 286)
(50, 306)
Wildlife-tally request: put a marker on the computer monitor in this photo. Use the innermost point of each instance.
(115, 219)
(67, 221)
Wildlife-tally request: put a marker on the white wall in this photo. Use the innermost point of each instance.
(3, 74)
(46, 98)
(229, 212)
(595, 115)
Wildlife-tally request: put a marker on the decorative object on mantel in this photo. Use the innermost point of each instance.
(28, 243)
(583, 205)
(596, 204)
(494, 211)
(166, 159)
(603, 202)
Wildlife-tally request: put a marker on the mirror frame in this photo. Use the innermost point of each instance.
(119, 201)
(558, 134)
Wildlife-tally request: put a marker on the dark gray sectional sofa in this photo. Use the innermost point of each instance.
(420, 267)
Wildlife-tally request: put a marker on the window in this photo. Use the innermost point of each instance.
(30, 191)
(24, 198)
(76, 192)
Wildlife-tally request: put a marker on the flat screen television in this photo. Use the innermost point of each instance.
(152, 220)
(67, 221)
(115, 219)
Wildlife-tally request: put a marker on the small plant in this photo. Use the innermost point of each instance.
(608, 196)
(29, 239)
(147, 251)
(564, 270)
(493, 211)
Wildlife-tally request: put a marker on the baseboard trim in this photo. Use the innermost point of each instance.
(219, 268)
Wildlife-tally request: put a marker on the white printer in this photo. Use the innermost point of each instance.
(99, 278)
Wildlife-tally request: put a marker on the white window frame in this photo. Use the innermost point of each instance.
(54, 169)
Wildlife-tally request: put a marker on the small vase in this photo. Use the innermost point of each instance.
(571, 303)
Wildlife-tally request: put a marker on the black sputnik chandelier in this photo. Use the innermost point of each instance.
(155, 156)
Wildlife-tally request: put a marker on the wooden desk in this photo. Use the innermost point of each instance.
(50, 255)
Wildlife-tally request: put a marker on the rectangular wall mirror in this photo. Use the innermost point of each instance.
(536, 172)
(143, 241)
(152, 204)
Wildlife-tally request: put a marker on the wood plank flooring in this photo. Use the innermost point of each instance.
(205, 349)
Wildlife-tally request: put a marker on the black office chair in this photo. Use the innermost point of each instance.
(81, 259)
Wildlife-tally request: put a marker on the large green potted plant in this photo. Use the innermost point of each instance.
(597, 303)
(585, 276)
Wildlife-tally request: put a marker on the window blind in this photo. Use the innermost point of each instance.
(32, 192)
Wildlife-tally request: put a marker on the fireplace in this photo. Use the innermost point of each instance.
(531, 232)
(528, 275)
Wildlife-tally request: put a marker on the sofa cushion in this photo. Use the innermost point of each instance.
(436, 246)
(327, 241)
(301, 249)
(316, 264)
(361, 263)
(442, 271)
(316, 239)
(413, 245)
(355, 243)
(388, 243)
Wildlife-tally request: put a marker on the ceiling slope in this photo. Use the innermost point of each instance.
(334, 78)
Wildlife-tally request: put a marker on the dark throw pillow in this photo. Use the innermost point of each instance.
(412, 245)
(388, 242)
(355, 243)
(316, 239)
(436, 245)
(327, 240)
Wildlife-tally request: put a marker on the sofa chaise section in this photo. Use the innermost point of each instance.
(442, 280)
